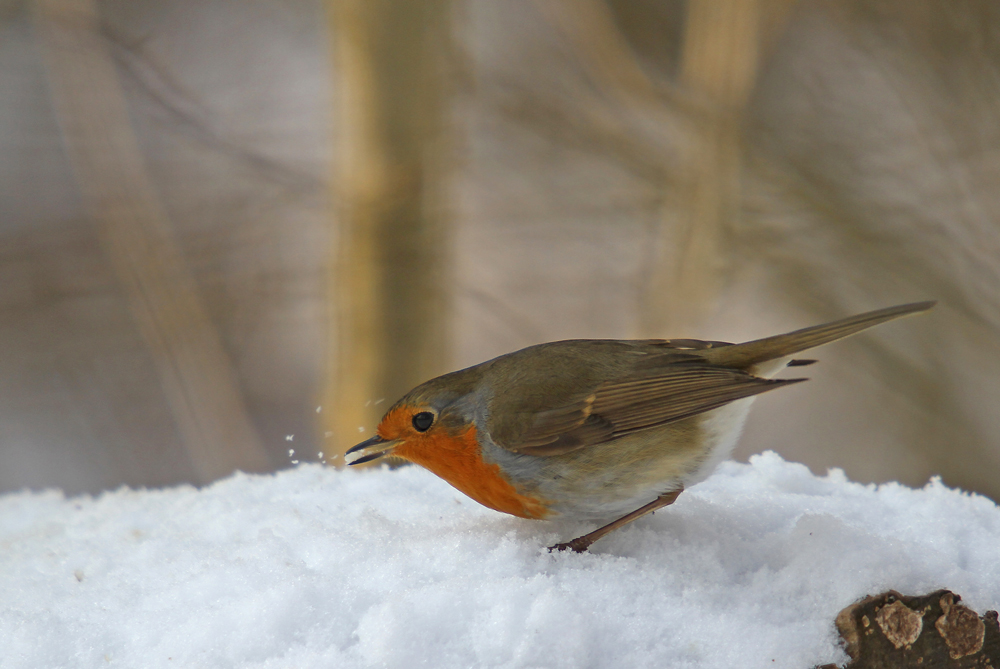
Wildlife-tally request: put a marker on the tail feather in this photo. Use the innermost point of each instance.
(750, 353)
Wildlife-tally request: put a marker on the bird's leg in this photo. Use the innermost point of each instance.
(580, 544)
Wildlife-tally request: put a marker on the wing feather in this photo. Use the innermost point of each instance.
(638, 403)
(632, 406)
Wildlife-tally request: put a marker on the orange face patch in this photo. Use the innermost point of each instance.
(456, 457)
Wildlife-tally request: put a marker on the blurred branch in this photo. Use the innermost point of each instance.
(609, 61)
(645, 116)
(719, 62)
(198, 380)
(192, 116)
(389, 282)
(701, 119)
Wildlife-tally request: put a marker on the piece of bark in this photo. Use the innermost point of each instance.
(930, 631)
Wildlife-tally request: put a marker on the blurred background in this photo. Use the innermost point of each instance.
(233, 230)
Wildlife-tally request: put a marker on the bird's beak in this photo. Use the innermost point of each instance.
(369, 450)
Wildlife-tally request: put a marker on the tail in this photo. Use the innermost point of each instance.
(741, 356)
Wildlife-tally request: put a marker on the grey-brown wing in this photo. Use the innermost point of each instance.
(563, 429)
(638, 403)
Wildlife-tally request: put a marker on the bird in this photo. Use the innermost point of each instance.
(594, 430)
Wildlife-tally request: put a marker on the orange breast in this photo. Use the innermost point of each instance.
(457, 460)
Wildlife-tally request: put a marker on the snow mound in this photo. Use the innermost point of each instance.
(315, 567)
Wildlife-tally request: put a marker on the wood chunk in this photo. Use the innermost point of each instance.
(932, 631)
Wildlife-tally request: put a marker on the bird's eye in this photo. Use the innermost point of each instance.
(422, 421)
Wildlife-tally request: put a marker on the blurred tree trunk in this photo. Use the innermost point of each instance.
(198, 380)
(390, 302)
(723, 41)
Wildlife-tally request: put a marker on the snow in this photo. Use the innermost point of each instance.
(318, 567)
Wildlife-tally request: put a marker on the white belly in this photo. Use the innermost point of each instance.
(722, 428)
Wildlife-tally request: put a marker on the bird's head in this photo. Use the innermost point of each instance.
(427, 416)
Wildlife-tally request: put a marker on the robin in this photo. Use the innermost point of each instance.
(594, 429)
